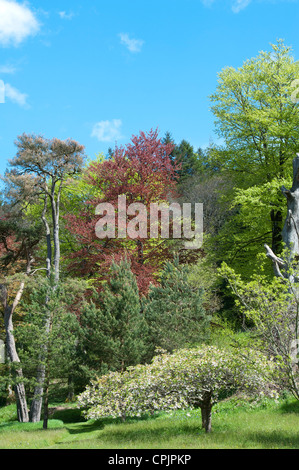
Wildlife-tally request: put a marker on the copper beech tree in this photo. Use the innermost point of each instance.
(143, 173)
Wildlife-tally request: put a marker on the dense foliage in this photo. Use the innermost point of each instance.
(134, 323)
(188, 378)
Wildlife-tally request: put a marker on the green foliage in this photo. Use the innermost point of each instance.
(189, 161)
(272, 307)
(177, 381)
(256, 116)
(47, 335)
(174, 310)
(258, 121)
(113, 335)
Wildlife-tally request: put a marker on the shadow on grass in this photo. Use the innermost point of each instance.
(68, 416)
(156, 433)
(100, 424)
(290, 407)
(277, 439)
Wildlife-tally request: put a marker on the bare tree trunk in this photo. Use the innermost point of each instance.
(37, 402)
(19, 389)
(290, 231)
(284, 267)
(46, 399)
(206, 412)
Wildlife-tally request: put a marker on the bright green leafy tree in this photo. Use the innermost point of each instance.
(257, 118)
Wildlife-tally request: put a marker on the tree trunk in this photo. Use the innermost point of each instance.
(290, 230)
(37, 402)
(46, 401)
(276, 220)
(19, 388)
(206, 412)
(71, 392)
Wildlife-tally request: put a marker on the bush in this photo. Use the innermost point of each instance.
(188, 378)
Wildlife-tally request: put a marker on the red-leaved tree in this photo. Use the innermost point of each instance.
(143, 173)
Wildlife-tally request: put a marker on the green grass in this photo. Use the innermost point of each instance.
(236, 424)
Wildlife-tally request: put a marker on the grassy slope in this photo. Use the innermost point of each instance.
(275, 426)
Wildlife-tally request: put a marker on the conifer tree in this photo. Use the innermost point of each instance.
(113, 336)
(174, 310)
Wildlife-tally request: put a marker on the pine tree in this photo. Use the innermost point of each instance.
(174, 310)
(113, 336)
(48, 334)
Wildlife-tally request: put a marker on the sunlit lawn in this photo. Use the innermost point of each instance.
(234, 427)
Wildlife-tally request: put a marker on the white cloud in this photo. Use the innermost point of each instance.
(240, 5)
(134, 45)
(15, 95)
(237, 5)
(107, 131)
(66, 16)
(17, 22)
(7, 69)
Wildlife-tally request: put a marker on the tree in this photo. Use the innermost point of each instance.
(18, 242)
(258, 121)
(113, 335)
(188, 378)
(42, 166)
(211, 190)
(272, 308)
(174, 310)
(50, 324)
(143, 173)
(39, 171)
(187, 160)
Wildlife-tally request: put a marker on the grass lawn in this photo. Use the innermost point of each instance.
(236, 425)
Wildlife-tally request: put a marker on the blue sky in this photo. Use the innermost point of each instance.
(100, 71)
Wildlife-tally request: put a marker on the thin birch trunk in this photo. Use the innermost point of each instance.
(17, 372)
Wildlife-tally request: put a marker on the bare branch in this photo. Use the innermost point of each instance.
(276, 261)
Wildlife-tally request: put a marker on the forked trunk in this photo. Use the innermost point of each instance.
(19, 388)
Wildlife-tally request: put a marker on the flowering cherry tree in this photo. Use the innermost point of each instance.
(188, 378)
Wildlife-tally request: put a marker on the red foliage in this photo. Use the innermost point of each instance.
(143, 172)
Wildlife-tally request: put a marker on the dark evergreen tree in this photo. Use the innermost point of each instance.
(174, 311)
(49, 330)
(113, 336)
(189, 161)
